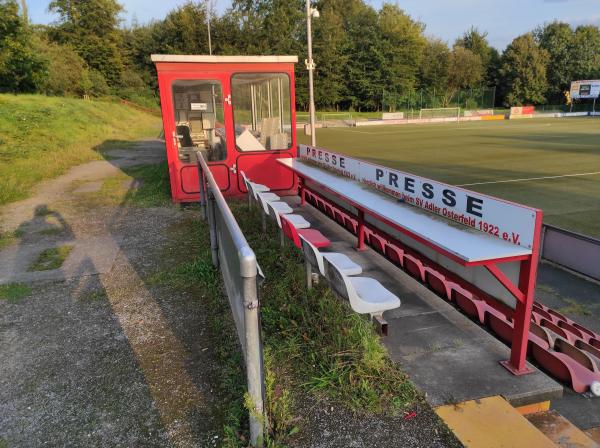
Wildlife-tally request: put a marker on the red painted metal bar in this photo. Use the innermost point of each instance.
(361, 230)
(505, 281)
(522, 318)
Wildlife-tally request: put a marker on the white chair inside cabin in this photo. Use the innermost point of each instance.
(313, 257)
(366, 295)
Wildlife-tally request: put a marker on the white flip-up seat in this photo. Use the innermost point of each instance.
(316, 258)
(366, 295)
(297, 221)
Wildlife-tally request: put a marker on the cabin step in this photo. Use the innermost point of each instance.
(561, 431)
(594, 434)
(491, 423)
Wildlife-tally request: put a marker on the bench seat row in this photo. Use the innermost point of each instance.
(565, 349)
(365, 295)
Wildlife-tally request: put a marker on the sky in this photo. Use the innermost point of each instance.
(503, 20)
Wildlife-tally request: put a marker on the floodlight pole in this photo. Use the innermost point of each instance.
(310, 66)
(208, 26)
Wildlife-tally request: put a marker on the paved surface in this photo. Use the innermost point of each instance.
(448, 356)
(579, 299)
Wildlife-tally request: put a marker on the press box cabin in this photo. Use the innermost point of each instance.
(238, 111)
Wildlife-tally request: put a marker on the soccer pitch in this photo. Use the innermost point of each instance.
(552, 164)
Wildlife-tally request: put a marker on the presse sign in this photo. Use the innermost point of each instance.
(508, 221)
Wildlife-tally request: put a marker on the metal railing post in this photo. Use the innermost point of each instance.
(212, 224)
(202, 187)
(254, 371)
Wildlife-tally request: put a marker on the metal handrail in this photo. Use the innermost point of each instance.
(212, 203)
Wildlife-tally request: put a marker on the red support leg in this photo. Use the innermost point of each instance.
(522, 318)
(361, 231)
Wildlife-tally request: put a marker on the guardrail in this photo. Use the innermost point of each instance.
(237, 262)
(579, 253)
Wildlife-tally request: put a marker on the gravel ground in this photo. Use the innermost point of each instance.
(108, 360)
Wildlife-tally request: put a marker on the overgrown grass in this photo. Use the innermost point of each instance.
(52, 258)
(14, 292)
(313, 342)
(41, 137)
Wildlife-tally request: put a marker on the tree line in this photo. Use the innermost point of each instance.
(361, 52)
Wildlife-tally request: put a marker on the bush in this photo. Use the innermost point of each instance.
(66, 70)
(21, 69)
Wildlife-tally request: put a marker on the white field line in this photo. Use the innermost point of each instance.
(529, 178)
(455, 127)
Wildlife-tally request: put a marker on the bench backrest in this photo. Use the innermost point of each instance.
(272, 212)
(290, 231)
(258, 197)
(246, 181)
(312, 254)
(337, 280)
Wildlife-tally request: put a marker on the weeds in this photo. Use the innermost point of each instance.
(575, 308)
(52, 258)
(313, 341)
(14, 293)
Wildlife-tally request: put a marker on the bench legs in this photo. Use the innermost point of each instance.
(281, 238)
(381, 325)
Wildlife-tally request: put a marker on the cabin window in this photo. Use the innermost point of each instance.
(261, 111)
(199, 121)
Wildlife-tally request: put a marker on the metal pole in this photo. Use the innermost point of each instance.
(310, 66)
(208, 26)
(202, 185)
(212, 225)
(254, 371)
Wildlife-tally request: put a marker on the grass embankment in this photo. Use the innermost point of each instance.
(313, 342)
(41, 137)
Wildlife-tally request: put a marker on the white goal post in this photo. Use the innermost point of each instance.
(336, 119)
(440, 112)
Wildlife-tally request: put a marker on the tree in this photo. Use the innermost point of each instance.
(558, 40)
(91, 28)
(465, 69)
(401, 46)
(523, 71)
(66, 70)
(435, 65)
(21, 68)
(477, 42)
(586, 52)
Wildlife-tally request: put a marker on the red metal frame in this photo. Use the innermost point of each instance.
(523, 292)
(261, 166)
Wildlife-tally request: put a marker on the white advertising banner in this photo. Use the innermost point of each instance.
(585, 90)
(508, 221)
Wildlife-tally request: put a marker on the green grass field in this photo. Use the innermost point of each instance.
(494, 152)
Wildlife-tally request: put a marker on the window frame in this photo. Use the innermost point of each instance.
(233, 109)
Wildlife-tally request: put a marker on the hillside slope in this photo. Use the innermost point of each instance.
(41, 137)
